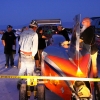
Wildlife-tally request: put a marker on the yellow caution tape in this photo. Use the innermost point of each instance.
(51, 78)
(9, 76)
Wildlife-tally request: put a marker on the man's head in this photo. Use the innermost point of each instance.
(9, 28)
(86, 22)
(33, 25)
(59, 27)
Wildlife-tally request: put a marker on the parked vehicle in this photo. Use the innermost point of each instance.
(67, 61)
(63, 59)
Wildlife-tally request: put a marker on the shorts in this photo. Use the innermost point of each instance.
(36, 56)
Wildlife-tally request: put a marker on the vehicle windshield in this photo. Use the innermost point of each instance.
(77, 49)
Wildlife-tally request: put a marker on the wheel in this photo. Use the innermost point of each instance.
(40, 92)
(23, 92)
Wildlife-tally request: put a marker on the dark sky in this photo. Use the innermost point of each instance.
(19, 12)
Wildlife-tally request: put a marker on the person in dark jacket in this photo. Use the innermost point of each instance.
(8, 40)
(88, 37)
(63, 32)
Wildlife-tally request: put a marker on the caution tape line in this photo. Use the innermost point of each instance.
(50, 78)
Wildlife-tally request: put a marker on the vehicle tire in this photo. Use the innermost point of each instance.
(40, 92)
(23, 92)
(73, 98)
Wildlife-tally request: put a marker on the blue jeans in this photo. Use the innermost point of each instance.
(9, 57)
(27, 65)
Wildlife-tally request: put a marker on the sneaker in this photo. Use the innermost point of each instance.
(13, 66)
(6, 66)
(38, 71)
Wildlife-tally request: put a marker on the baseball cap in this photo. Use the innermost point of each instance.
(9, 26)
(33, 23)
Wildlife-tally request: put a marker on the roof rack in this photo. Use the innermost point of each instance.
(48, 21)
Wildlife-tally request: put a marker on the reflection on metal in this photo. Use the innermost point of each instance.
(62, 90)
(79, 72)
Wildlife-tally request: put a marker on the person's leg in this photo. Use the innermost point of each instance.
(13, 55)
(94, 64)
(36, 60)
(40, 56)
(11, 60)
(37, 68)
(7, 60)
(19, 62)
(30, 66)
(22, 69)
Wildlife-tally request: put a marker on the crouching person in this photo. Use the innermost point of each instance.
(28, 48)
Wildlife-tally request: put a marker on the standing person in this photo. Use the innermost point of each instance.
(41, 43)
(28, 48)
(88, 37)
(63, 32)
(8, 40)
(41, 46)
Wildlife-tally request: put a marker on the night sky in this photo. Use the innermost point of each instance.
(20, 12)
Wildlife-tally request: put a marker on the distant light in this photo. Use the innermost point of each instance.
(56, 32)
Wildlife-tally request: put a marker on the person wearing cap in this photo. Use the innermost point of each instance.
(8, 39)
(28, 43)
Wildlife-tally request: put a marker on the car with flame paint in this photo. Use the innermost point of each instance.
(64, 60)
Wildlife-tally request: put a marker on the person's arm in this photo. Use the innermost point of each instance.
(44, 37)
(41, 36)
(35, 45)
(3, 42)
(3, 39)
(80, 41)
(65, 34)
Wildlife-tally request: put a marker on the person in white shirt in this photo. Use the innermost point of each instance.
(28, 48)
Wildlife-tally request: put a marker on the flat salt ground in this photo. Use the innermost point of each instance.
(8, 89)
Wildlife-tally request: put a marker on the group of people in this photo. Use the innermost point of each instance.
(9, 42)
(32, 43)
